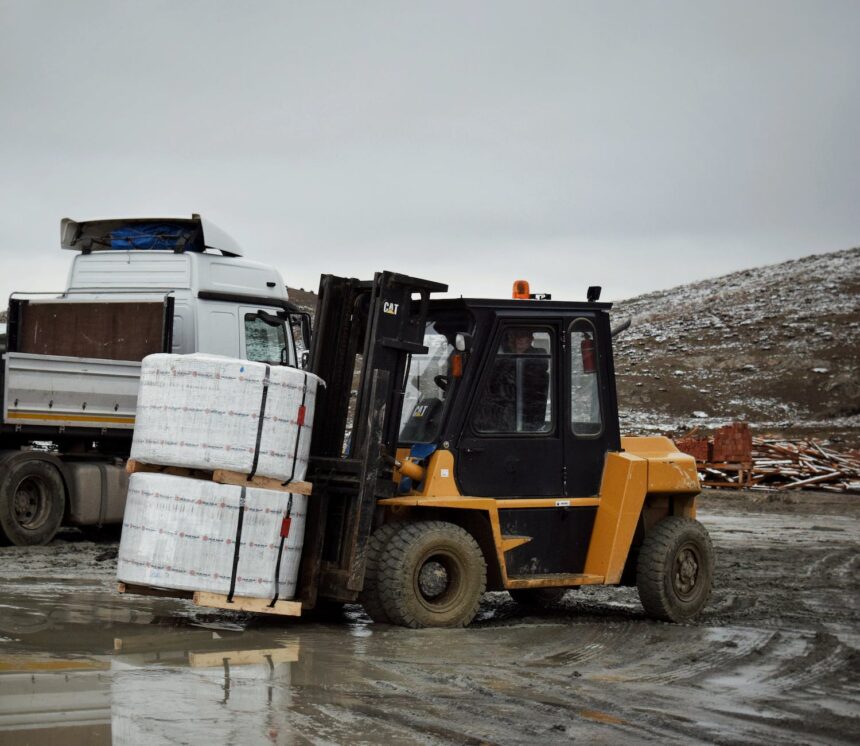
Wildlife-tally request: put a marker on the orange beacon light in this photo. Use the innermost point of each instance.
(521, 290)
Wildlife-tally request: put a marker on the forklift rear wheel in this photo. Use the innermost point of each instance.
(32, 502)
(431, 574)
(538, 598)
(676, 569)
(370, 598)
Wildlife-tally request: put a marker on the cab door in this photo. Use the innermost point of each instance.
(590, 422)
(511, 443)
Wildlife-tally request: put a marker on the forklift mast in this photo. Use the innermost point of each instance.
(364, 333)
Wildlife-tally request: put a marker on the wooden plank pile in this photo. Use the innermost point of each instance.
(803, 464)
(733, 458)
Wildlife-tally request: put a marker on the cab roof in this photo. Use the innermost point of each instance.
(510, 304)
(95, 235)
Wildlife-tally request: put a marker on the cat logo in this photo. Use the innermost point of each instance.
(420, 410)
(390, 308)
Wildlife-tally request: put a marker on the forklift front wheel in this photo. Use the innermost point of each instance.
(431, 574)
(675, 570)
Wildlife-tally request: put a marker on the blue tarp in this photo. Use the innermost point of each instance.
(155, 237)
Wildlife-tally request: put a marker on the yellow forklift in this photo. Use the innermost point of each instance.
(472, 445)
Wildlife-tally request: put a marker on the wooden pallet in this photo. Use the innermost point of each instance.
(222, 476)
(713, 470)
(217, 600)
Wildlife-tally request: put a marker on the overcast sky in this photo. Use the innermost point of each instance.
(636, 145)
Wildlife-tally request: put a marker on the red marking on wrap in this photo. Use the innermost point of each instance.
(301, 418)
(285, 527)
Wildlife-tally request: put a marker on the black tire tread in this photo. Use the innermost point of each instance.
(370, 598)
(651, 567)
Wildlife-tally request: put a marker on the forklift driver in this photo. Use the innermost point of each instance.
(516, 396)
(521, 342)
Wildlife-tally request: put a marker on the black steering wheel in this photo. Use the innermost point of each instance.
(441, 382)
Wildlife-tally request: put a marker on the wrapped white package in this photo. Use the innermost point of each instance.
(181, 533)
(203, 412)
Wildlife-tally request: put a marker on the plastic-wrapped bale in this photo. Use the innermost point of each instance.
(182, 534)
(204, 412)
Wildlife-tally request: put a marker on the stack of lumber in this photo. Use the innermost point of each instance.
(733, 458)
(803, 464)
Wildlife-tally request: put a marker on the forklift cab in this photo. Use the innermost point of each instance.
(521, 392)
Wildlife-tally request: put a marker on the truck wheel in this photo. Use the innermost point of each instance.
(370, 597)
(431, 574)
(675, 570)
(32, 503)
(538, 598)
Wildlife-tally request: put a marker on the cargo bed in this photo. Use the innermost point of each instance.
(69, 391)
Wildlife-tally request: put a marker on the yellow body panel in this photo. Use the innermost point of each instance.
(622, 494)
(646, 466)
(669, 470)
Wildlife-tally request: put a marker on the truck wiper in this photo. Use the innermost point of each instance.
(267, 318)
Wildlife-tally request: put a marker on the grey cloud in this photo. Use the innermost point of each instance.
(637, 144)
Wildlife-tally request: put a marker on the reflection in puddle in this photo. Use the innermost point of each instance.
(201, 685)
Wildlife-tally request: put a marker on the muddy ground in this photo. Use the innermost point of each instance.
(773, 659)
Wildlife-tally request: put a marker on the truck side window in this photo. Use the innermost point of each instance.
(265, 342)
(517, 395)
(585, 415)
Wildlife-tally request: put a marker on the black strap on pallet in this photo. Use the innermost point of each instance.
(285, 532)
(260, 423)
(238, 545)
(301, 421)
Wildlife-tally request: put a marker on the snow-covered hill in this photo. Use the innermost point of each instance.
(776, 345)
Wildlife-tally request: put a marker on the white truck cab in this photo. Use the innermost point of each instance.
(71, 367)
(216, 293)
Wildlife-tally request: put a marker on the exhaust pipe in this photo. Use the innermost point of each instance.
(622, 327)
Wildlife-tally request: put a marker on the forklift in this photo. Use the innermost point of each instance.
(471, 445)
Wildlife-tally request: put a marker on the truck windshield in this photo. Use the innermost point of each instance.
(265, 341)
(429, 384)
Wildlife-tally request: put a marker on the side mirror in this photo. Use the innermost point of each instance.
(300, 324)
(463, 342)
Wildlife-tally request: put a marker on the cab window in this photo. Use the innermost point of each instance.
(266, 339)
(585, 416)
(429, 382)
(517, 394)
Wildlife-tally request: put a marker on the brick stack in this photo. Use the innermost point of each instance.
(733, 444)
(698, 448)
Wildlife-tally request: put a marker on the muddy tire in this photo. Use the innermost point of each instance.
(431, 574)
(538, 598)
(370, 598)
(32, 502)
(675, 571)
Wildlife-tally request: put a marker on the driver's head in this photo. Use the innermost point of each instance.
(519, 340)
